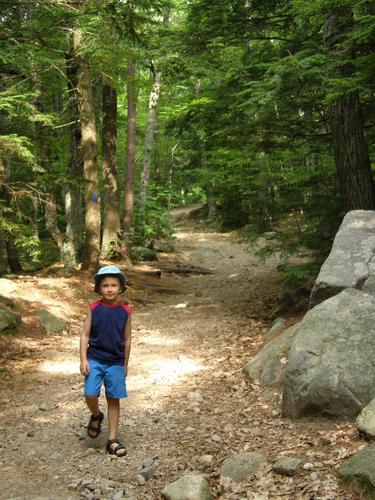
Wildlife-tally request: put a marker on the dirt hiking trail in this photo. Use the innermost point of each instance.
(193, 330)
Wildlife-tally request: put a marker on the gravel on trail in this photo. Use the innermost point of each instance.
(188, 398)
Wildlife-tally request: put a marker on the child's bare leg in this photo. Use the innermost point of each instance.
(93, 404)
(113, 416)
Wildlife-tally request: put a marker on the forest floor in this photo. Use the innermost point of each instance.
(187, 394)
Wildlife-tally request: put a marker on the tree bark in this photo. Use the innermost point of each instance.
(73, 244)
(149, 138)
(111, 223)
(130, 157)
(350, 146)
(90, 159)
(9, 251)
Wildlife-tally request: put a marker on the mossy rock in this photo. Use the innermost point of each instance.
(50, 322)
(9, 321)
(358, 473)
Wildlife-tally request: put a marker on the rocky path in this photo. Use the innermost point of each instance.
(193, 331)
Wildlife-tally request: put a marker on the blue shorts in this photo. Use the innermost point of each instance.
(113, 376)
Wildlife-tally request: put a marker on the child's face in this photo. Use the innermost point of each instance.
(109, 288)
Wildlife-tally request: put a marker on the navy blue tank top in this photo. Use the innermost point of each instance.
(106, 342)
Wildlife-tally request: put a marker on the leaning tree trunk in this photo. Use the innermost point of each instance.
(130, 157)
(90, 159)
(349, 142)
(73, 244)
(111, 223)
(149, 138)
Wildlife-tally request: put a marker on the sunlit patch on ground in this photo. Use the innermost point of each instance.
(166, 371)
(67, 367)
(157, 340)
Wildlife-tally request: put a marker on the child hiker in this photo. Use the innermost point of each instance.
(104, 350)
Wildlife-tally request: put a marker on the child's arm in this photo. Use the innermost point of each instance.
(83, 344)
(128, 341)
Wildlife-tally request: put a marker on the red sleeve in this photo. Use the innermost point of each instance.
(94, 304)
(128, 309)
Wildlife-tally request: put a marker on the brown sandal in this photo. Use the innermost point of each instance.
(93, 431)
(116, 449)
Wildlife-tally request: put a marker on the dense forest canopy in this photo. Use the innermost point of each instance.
(114, 111)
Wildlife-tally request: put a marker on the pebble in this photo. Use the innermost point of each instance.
(140, 480)
(194, 396)
(90, 451)
(129, 422)
(313, 476)
(43, 406)
(119, 494)
(308, 466)
(189, 429)
(31, 434)
(148, 462)
(206, 461)
(215, 438)
(138, 432)
(148, 472)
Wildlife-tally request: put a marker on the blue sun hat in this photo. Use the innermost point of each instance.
(110, 271)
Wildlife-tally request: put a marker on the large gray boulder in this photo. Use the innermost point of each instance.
(359, 473)
(269, 365)
(331, 363)
(351, 263)
(189, 487)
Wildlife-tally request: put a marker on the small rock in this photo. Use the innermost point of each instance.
(313, 476)
(148, 472)
(216, 438)
(286, 466)
(240, 466)
(189, 487)
(308, 466)
(148, 462)
(140, 480)
(129, 422)
(44, 406)
(31, 434)
(206, 461)
(138, 432)
(189, 429)
(119, 494)
(90, 451)
(194, 396)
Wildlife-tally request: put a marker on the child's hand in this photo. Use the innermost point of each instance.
(85, 368)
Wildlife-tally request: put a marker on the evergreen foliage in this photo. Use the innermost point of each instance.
(244, 119)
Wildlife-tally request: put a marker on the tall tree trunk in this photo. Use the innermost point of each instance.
(209, 188)
(73, 244)
(349, 142)
(9, 251)
(111, 223)
(50, 209)
(130, 157)
(90, 159)
(149, 138)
